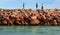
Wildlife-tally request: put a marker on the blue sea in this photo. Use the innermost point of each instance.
(29, 30)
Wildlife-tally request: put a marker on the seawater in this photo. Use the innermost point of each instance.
(29, 30)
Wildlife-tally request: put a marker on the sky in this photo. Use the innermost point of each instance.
(48, 4)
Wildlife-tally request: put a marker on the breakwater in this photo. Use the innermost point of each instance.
(27, 17)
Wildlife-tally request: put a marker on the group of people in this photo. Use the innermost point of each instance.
(29, 17)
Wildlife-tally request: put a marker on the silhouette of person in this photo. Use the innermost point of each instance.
(23, 5)
(36, 5)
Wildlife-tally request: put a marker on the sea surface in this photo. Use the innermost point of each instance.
(29, 30)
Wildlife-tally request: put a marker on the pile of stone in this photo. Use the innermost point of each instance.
(29, 17)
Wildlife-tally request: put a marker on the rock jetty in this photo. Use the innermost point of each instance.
(29, 17)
